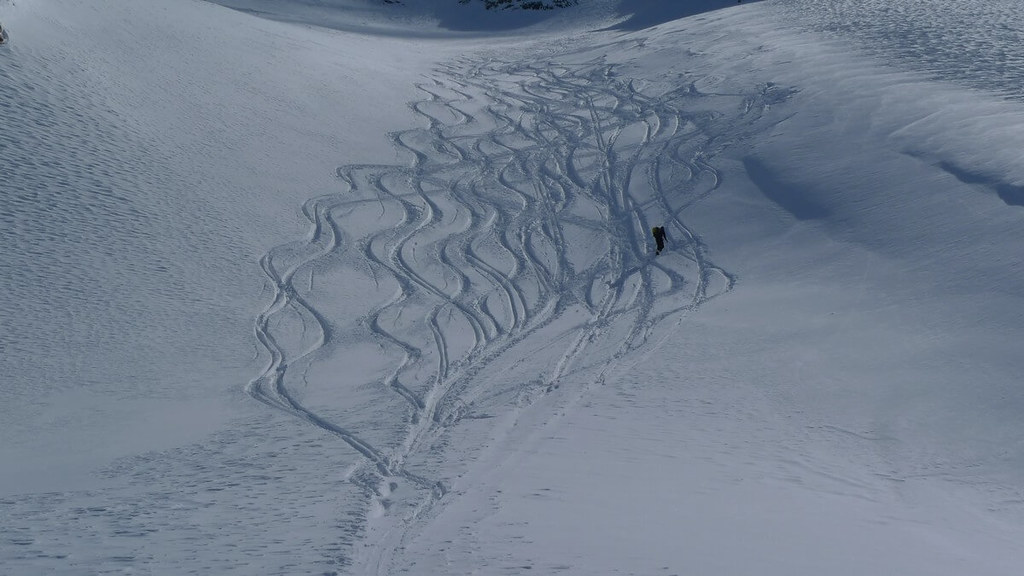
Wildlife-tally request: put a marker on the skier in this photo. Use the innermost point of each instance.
(659, 237)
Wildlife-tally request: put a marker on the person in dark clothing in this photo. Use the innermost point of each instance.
(659, 238)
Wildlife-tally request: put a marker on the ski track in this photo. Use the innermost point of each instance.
(479, 246)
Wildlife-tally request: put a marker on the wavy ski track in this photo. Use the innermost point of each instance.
(509, 152)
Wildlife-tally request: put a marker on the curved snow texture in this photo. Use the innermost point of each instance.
(970, 42)
(475, 263)
(466, 358)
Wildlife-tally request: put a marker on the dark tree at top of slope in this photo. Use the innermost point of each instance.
(524, 4)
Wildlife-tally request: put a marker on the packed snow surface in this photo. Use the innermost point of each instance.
(343, 288)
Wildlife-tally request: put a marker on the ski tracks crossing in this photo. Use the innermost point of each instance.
(476, 235)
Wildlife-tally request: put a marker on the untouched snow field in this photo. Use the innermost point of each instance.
(322, 288)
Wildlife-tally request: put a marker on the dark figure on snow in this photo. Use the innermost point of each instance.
(659, 237)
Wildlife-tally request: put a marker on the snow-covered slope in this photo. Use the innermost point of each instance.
(380, 298)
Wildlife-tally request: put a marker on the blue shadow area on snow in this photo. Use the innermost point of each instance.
(787, 197)
(377, 17)
(474, 18)
(641, 14)
(637, 14)
(1008, 193)
(398, 18)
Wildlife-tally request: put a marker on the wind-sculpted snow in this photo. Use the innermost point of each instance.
(467, 359)
(468, 250)
(978, 43)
